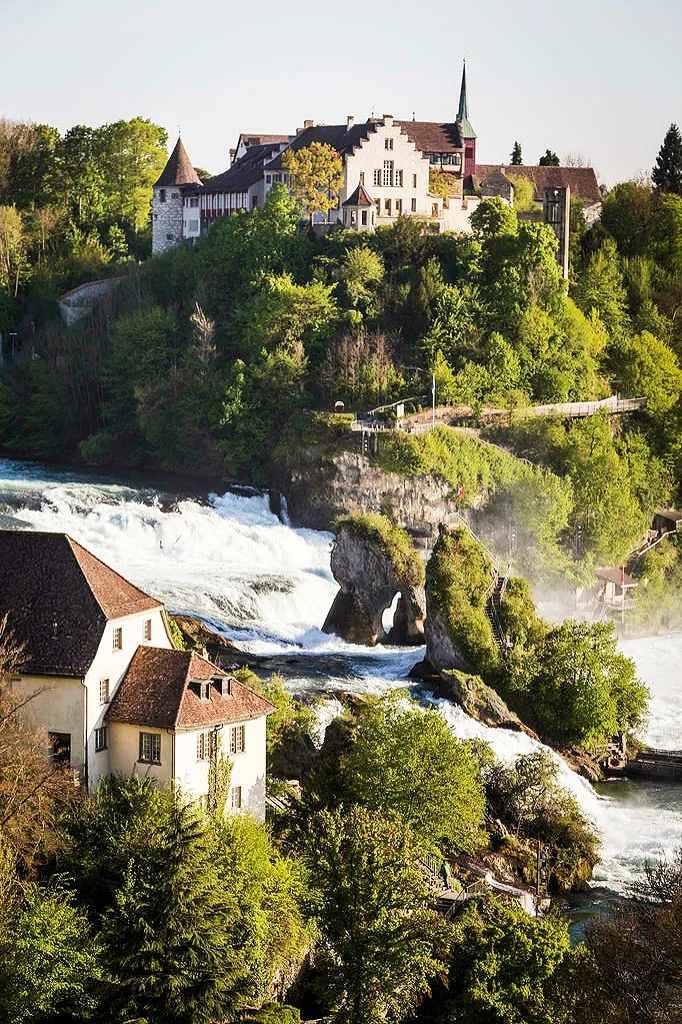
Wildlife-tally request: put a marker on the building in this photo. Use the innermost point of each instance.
(101, 677)
(422, 169)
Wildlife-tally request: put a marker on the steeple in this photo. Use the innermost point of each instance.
(178, 170)
(465, 129)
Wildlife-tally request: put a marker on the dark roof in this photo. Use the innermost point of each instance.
(261, 139)
(463, 121)
(244, 172)
(358, 198)
(582, 180)
(178, 170)
(433, 137)
(156, 691)
(58, 598)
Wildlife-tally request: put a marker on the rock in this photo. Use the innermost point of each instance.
(372, 561)
(441, 650)
(480, 701)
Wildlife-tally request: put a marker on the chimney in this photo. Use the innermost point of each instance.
(388, 120)
(308, 123)
(233, 153)
(350, 121)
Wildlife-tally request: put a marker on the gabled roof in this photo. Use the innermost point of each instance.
(433, 136)
(156, 691)
(261, 139)
(244, 172)
(359, 197)
(178, 170)
(582, 180)
(58, 598)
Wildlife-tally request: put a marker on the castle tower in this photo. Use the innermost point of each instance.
(466, 132)
(167, 199)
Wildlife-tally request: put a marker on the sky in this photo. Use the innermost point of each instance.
(594, 77)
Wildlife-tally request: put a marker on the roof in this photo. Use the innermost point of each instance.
(466, 130)
(244, 172)
(359, 197)
(617, 576)
(261, 139)
(178, 169)
(58, 598)
(582, 180)
(156, 691)
(672, 514)
(432, 136)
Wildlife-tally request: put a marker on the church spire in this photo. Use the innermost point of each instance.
(465, 129)
(463, 113)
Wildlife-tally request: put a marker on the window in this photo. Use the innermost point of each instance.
(377, 176)
(194, 201)
(388, 143)
(398, 206)
(414, 206)
(59, 748)
(147, 633)
(387, 207)
(362, 177)
(434, 158)
(364, 218)
(104, 691)
(150, 747)
(267, 179)
(170, 237)
(388, 172)
(377, 203)
(237, 738)
(205, 745)
(254, 202)
(118, 636)
(162, 195)
(414, 181)
(399, 179)
(236, 798)
(101, 739)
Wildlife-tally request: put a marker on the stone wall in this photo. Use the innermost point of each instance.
(166, 219)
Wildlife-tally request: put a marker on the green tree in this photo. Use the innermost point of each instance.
(516, 155)
(667, 172)
(132, 155)
(405, 761)
(666, 233)
(509, 968)
(524, 193)
(381, 943)
(585, 691)
(492, 218)
(645, 366)
(296, 318)
(316, 175)
(549, 159)
(601, 288)
(626, 215)
(14, 265)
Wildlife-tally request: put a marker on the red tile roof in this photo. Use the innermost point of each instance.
(582, 180)
(156, 691)
(178, 170)
(58, 598)
(359, 197)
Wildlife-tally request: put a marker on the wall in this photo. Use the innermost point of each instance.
(110, 664)
(166, 219)
(58, 705)
(124, 753)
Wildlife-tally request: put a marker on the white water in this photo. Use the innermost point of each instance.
(269, 587)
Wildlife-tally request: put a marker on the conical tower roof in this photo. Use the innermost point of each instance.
(178, 170)
(465, 128)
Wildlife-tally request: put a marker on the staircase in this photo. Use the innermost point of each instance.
(493, 612)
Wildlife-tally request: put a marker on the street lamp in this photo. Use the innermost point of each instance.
(420, 369)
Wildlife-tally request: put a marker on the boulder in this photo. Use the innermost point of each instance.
(480, 701)
(372, 561)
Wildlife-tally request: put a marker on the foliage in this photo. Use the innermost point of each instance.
(317, 176)
(393, 540)
(381, 943)
(549, 159)
(524, 193)
(509, 968)
(647, 367)
(516, 155)
(667, 173)
(406, 762)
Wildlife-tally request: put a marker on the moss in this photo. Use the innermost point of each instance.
(459, 578)
(518, 616)
(393, 540)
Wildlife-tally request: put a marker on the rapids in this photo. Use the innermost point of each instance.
(268, 587)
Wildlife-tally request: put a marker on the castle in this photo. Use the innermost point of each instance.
(388, 166)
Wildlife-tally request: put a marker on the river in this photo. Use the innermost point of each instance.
(268, 587)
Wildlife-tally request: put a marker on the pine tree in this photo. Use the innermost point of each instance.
(516, 156)
(550, 159)
(667, 174)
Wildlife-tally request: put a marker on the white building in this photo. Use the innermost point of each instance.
(102, 679)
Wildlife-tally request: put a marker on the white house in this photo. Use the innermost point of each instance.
(102, 679)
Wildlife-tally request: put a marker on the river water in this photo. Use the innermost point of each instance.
(268, 587)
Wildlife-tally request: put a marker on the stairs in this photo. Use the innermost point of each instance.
(493, 612)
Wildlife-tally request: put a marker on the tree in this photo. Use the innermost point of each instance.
(550, 159)
(601, 288)
(132, 156)
(645, 366)
(585, 691)
(381, 943)
(626, 215)
(406, 762)
(13, 250)
(493, 218)
(509, 968)
(516, 155)
(667, 172)
(317, 176)
(524, 193)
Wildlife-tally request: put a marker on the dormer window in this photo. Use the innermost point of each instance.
(204, 691)
(222, 685)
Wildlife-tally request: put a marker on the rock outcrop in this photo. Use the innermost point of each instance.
(480, 701)
(372, 561)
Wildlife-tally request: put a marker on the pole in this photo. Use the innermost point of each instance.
(433, 396)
